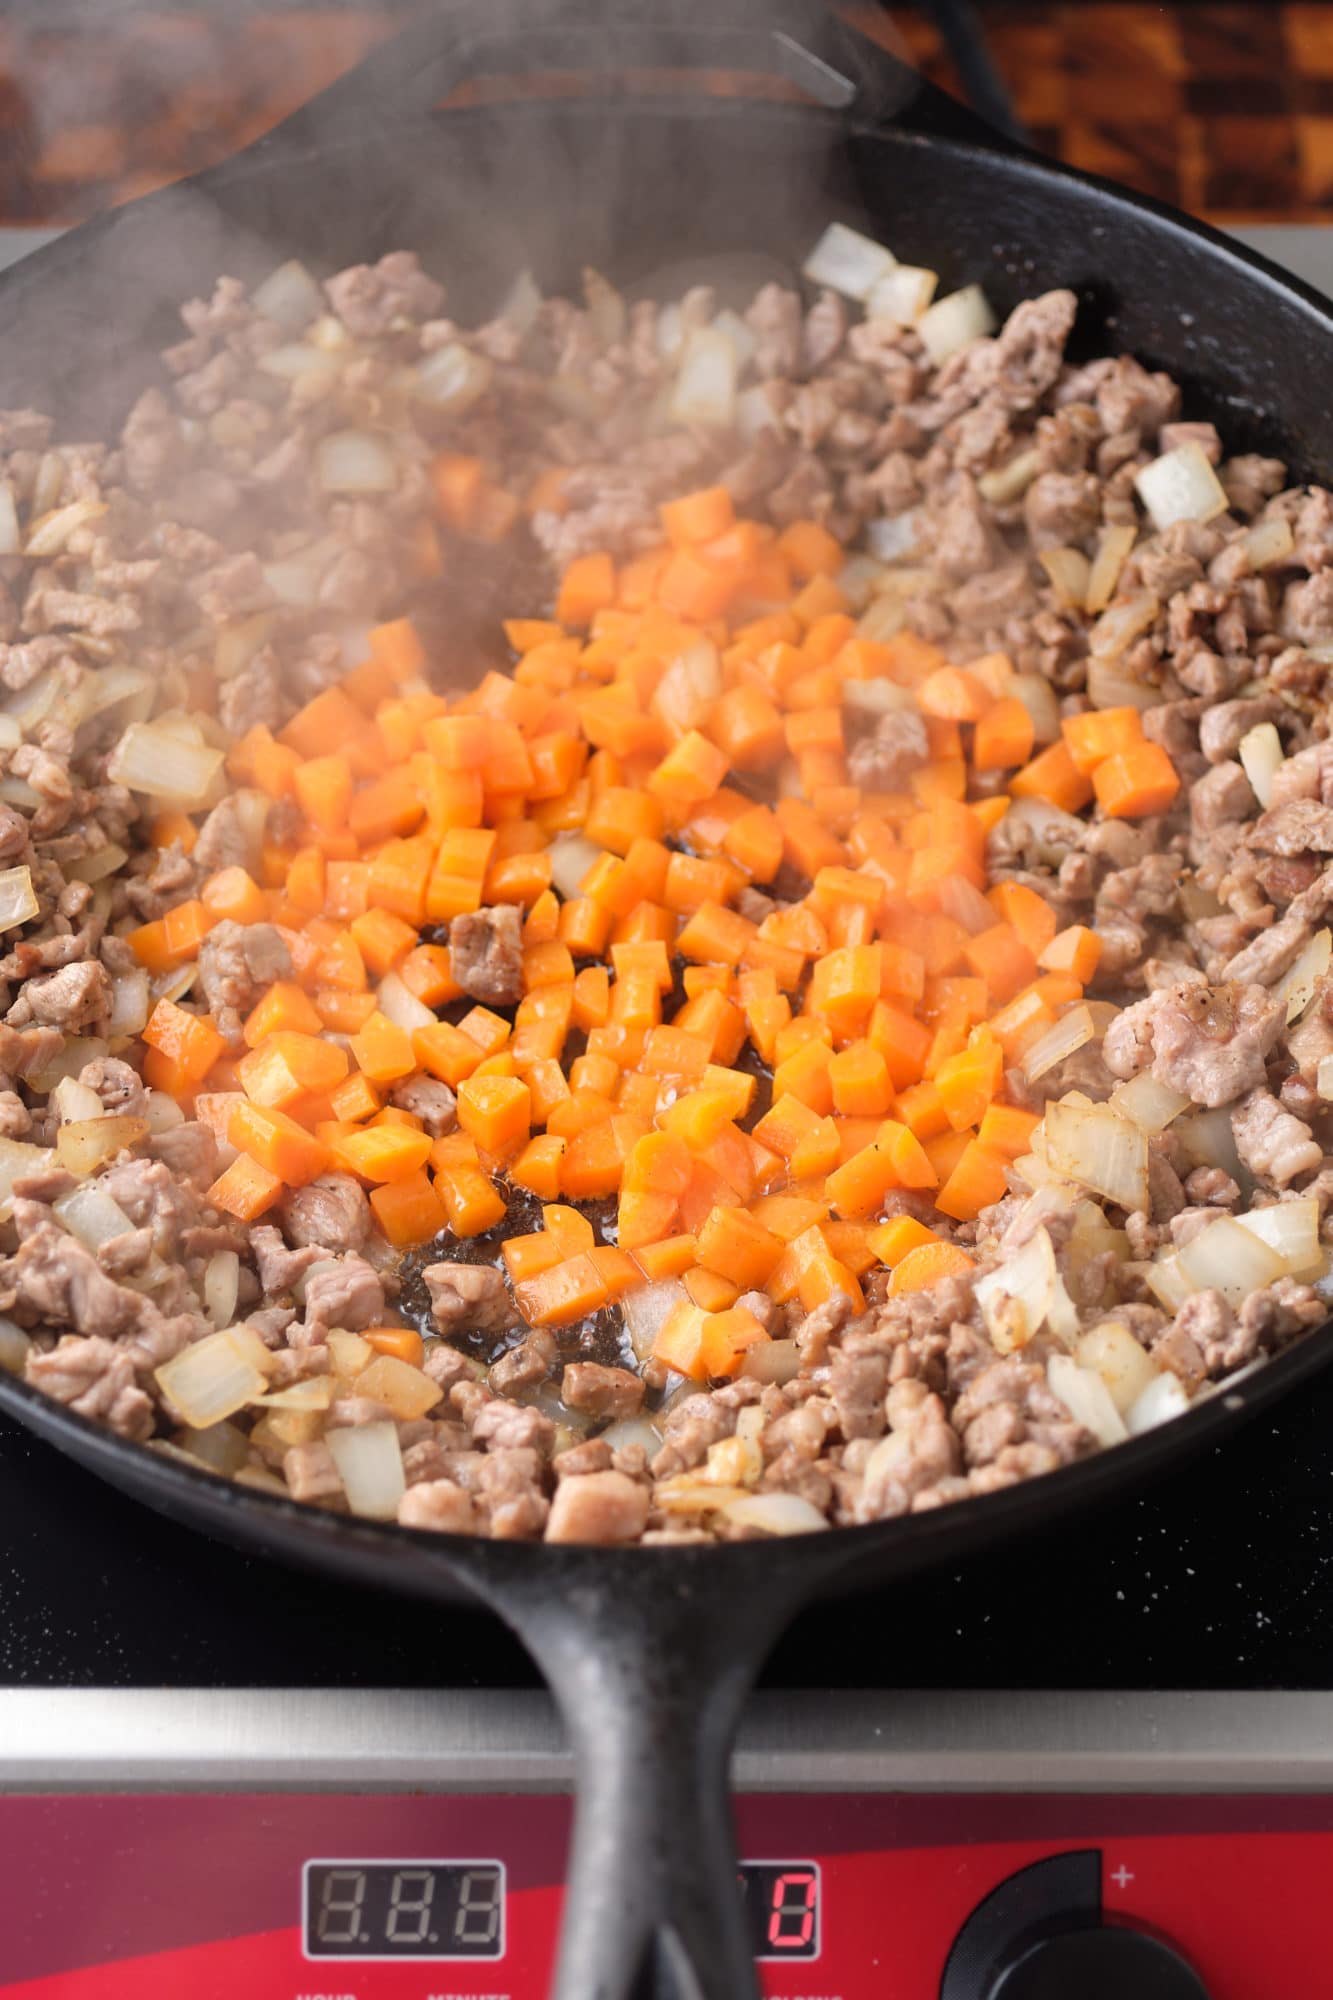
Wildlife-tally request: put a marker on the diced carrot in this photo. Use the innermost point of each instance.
(188, 1040)
(1100, 733)
(892, 1240)
(277, 1142)
(1007, 1130)
(976, 1182)
(1054, 776)
(408, 1212)
(1136, 782)
(245, 1189)
(382, 1152)
(495, 1111)
(1004, 736)
(1076, 950)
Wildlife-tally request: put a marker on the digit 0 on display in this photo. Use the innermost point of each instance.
(782, 1907)
(403, 1909)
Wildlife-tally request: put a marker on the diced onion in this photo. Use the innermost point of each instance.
(1008, 482)
(1016, 1297)
(48, 535)
(1261, 755)
(1228, 1258)
(893, 535)
(755, 413)
(669, 334)
(1165, 1397)
(859, 579)
(406, 1392)
(10, 540)
(1126, 620)
(18, 902)
(316, 1392)
(772, 1361)
(627, 1432)
(1181, 485)
(733, 328)
(1112, 1352)
(1147, 1103)
(1302, 982)
(848, 262)
(151, 759)
(295, 581)
(1113, 546)
(1087, 1399)
(882, 618)
(211, 1379)
(571, 857)
(370, 1465)
(1072, 1031)
(95, 867)
(222, 1448)
(647, 1308)
(1269, 541)
(349, 1352)
(1291, 1231)
(1038, 698)
(954, 322)
(902, 295)
(1100, 1150)
(1324, 1078)
(86, 1144)
(776, 1514)
(17, 1158)
(222, 1275)
(78, 1050)
(355, 462)
(289, 295)
(705, 387)
(522, 304)
(73, 1099)
(129, 1003)
(1207, 1140)
(401, 1006)
(879, 697)
(1168, 1283)
(89, 1213)
(453, 378)
(297, 361)
(30, 705)
(14, 1346)
(689, 688)
(1068, 570)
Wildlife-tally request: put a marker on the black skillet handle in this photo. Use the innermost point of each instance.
(650, 1677)
(801, 41)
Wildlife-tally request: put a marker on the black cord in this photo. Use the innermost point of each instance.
(965, 39)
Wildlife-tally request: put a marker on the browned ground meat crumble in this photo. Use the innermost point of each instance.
(172, 553)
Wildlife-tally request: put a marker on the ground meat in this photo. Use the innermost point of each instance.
(280, 1269)
(225, 838)
(370, 299)
(237, 964)
(189, 1152)
(469, 1297)
(486, 954)
(73, 998)
(310, 1472)
(524, 1366)
(1271, 1142)
(440, 1505)
(331, 1213)
(598, 1507)
(346, 1294)
(119, 1087)
(885, 761)
(603, 1392)
(430, 1101)
(1212, 1043)
(95, 1378)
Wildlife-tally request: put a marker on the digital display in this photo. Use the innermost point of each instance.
(404, 1909)
(782, 1908)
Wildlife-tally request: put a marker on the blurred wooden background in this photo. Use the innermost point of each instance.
(1225, 109)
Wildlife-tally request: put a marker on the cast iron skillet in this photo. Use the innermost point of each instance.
(650, 1653)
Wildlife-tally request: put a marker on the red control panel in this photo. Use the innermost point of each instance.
(848, 1897)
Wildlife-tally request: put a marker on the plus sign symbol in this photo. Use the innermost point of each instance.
(1122, 1876)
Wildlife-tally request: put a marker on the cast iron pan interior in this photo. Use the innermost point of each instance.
(651, 1652)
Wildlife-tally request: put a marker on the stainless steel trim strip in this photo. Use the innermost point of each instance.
(324, 1739)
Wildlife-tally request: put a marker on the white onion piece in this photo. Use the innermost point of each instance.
(1008, 482)
(1181, 485)
(294, 581)
(1207, 1140)
(882, 619)
(1291, 1231)
(222, 1276)
(1087, 1399)
(848, 262)
(1039, 699)
(571, 857)
(627, 1432)
(669, 333)
(15, 792)
(954, 322)
(1109, 686)
(1168, 1283)
(689, 688)
(151, 759)
(316, 1392)
(1016, 1297)
(1269, 541)
(86, 1144)
(647, 1308)
(17, 1158)
(1324, 1078)
(355, 462)
(733, 328)
(776, 1514)
(211, 1379)
(10, 540)
(349, 1352)
(453, 378)
(48, 536)
(859, 579)
(1112, 1352)
(1261, 755)
(1125, 621)
(72, 1099)
(1072, 1031)
(32, 704)
(129, 1003)
(401, 1006)
(1068, 570)
(1113, 546)
(14, 1346)
(1147, 1103)
(95, 867)
(755, 413)
(174, 985)
(772, 1361)
(68, 1061)
(893, 535)
(1092, 1145)
(1165, 1397)
(705, 386)
(406, 1392)
(89, 1213)
(370, 1465)
(523, 303)
(222, 1448)
(1228, 1258)
(298, 361)
(289, 295)
(1302, 982)
(879, 697)
(17, 899)
(902, 295)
